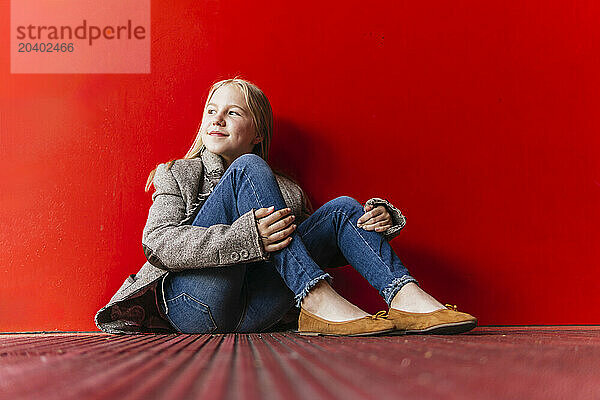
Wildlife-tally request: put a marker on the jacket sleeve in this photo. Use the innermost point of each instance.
(398, 220)
(170, 245)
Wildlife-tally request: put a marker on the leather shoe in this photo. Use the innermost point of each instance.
(445, 321)
(312, 325)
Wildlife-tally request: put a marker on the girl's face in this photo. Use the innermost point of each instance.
(227, 114)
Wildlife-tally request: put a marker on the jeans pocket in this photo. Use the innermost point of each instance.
(187, 314)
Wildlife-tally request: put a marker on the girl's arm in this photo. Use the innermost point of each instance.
(173, 246)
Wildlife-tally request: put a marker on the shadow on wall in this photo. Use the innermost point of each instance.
(294, 152)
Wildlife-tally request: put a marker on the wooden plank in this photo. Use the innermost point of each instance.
(486, 363)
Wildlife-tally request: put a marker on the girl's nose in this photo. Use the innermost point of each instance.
(218, 120)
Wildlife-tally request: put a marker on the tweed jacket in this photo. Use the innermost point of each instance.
(171, 243)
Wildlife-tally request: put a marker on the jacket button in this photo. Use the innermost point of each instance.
(235, 256)
(244, 253)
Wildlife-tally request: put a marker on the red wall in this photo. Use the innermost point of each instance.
(479, 120)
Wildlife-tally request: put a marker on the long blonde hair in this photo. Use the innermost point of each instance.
(262, 117)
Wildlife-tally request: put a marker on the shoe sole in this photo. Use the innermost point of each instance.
(445, 329)
(337, 334)
(397, 332)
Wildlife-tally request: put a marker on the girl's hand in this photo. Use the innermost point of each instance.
(377, 219)
(274, 227)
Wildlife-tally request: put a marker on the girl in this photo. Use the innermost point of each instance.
(233, 246)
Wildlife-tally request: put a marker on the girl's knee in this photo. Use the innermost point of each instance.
(249, 160)
(346, 203)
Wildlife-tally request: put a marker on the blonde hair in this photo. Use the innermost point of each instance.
(262, 118)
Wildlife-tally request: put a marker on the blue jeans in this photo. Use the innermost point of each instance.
(254, 296)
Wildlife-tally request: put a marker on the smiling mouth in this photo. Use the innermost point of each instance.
(216, 133)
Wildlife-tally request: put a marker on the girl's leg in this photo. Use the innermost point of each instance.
(332, 239)
(247, 184)
(239, 298)
(207, 300)
(331, 236)
(267, 298)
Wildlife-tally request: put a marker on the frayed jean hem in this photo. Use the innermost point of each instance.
(300, 296)
(390, 290)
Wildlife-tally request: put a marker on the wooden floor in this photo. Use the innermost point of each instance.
(550, 362)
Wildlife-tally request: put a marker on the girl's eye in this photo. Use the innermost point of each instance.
(208, 111)
(235, 112)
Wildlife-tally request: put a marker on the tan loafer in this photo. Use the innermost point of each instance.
(312, 325)
(445, 321)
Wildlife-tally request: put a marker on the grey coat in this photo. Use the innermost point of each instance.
(171, 243)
